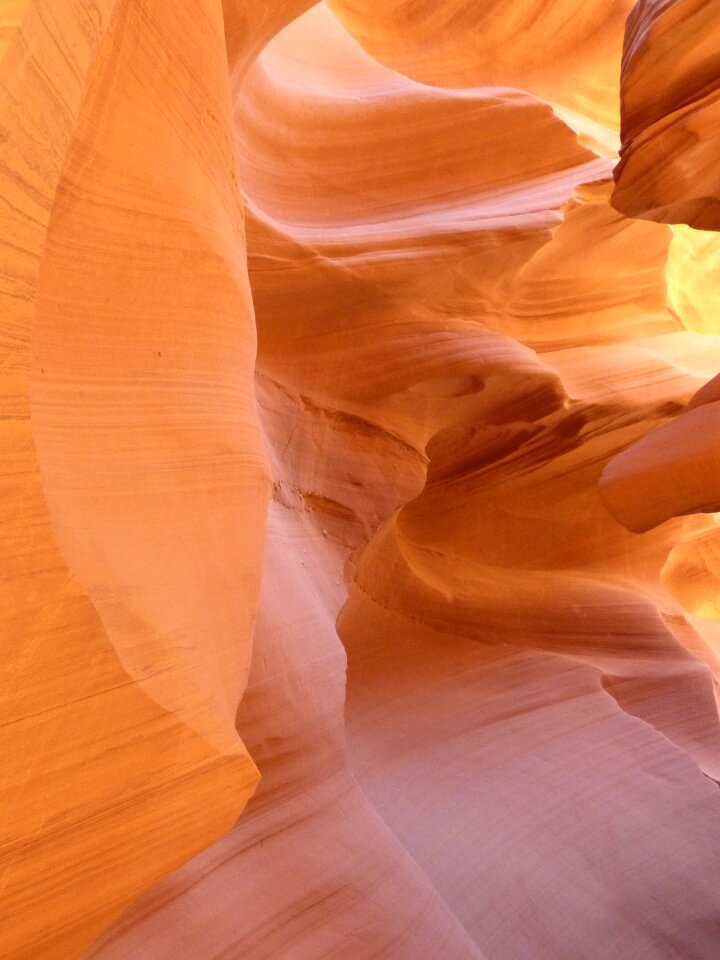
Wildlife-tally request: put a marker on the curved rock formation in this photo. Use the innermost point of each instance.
(566, 52)
(670, 95)
(298, 294)
(134, 482)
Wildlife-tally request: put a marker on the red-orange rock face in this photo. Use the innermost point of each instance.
(360, 482)
(670, 100)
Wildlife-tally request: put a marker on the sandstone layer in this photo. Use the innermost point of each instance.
(360, 481)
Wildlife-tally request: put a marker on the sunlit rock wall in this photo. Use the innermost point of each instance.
(361, 567)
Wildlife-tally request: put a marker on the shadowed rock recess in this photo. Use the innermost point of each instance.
(360, 480)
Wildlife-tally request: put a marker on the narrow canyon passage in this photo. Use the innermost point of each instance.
(363, 558)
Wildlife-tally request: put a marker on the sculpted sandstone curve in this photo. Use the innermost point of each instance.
(670, 100)
(337, 377)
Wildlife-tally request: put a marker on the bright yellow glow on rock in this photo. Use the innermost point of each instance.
(693, 272)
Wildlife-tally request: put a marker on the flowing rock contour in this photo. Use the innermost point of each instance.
(362, 565)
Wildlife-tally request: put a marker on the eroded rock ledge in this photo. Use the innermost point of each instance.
(360, 486)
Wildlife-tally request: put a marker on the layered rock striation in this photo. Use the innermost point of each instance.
(359, 468)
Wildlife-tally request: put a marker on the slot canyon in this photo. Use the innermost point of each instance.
(360, 480)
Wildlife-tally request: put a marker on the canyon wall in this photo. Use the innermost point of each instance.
(360, 488)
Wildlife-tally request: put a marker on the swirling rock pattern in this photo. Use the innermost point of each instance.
(359, 437)
(670, 114)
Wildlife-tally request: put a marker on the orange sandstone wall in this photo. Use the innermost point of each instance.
(358, 423)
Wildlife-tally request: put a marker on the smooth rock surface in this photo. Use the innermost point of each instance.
(359, 435)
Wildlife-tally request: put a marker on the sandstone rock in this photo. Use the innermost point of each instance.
(336, 378)
(670, 96)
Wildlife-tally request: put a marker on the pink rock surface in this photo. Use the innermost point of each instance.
(357, 441)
